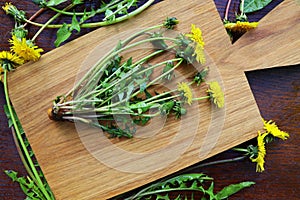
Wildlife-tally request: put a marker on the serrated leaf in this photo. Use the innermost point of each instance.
(38, 2)
(12, 174)
(55, 2)
(130, 89)
(62, 34)
(92, 13)
(109, 15)
(148, 95)
(232, 189)
(121, 9)
(84, 16)
(131, 3)
(6, 111)
(10, 122)
(75, 24)
(162, 197)
(210, 191)
(143, 86)
(255, 5)
(77, 2)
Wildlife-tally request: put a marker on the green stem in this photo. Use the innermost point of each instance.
(143, 71)
(108, 56)
(100, 10)
(49, 21)
(214, 163)
(115, 12)
(242, 7)
(240, 150)
(159, 77)
(35, 15)
(164, 99)
(19, 136)
(227, 10)
(201, 98)
(99, 24)
(97, 92)
(159, 95)
(111, 55)
(164, 74)
(149, 84)
(17, 143)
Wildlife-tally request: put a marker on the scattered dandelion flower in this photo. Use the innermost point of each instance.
(187, 92)
(170, 22)
(25, 49)
(199, 53)
(273, 129)
(216, 94)
(7, 57)
(260, 159)
(12, 10)
(201, 75)
(196, 35)
(240, 26)
(261, 143)
(6, 7)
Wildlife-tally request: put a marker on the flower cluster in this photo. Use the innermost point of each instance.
(22, 50)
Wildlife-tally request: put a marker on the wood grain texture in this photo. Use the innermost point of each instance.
(60, 143)
(69, 165)
(275, 42)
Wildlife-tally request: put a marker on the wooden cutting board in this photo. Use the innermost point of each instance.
(80, 163)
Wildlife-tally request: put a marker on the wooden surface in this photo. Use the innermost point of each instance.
(296, 114)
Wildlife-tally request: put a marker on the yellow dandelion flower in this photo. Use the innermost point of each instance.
(199, 53)
(187, 92)
(6, 7)
(260, 159)
(1, 72)
(273, 129)
(25, 49)
(196, 35)
(241, 26)
(7, 57)
(216, 94)
(12, 10)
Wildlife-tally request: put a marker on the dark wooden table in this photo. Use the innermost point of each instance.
(277, 93)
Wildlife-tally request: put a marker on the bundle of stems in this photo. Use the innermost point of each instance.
(113, 87)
